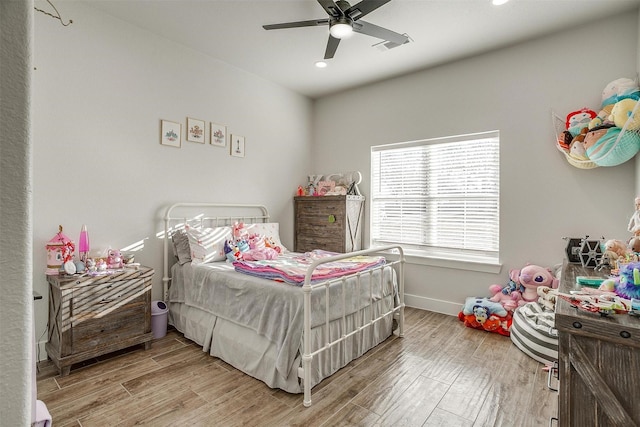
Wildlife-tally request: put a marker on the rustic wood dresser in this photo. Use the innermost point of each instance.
(332, 223)
(90, 316)
(599, 362)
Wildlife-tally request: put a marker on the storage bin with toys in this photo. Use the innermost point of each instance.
(609, 137)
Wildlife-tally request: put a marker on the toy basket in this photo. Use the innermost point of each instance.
(615, 147)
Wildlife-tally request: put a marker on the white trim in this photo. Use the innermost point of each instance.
(431, 304)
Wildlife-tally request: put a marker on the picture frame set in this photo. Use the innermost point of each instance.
(171, 135)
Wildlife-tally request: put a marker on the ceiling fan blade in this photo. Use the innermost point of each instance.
(332, 46)
(372, 30)
(331, 8)
(361, 9)
(310, 23)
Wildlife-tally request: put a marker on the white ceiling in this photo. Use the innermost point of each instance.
(442, 30)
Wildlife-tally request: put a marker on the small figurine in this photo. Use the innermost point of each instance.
(634, 222)
(101, 265)
(114, 259)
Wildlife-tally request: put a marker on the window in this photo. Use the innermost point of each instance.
(438, 197)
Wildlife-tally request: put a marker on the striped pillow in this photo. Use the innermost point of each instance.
(533, 331)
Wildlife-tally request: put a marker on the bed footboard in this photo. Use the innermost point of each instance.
(397, 311)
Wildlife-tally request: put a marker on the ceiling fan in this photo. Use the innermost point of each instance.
(345, 19)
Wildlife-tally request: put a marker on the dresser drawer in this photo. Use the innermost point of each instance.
(315, 208)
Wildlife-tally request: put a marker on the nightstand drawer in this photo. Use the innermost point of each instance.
(96, 301)
(124, 323)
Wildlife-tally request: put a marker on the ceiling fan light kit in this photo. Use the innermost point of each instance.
(344, 20)
(341, 28)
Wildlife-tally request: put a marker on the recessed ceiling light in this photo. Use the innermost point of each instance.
(499, 2)
(321, 64)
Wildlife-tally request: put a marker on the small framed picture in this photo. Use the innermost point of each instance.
(195, 130)
(218, 135)
(237, 146)
(170, 133)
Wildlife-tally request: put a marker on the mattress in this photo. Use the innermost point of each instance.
(256, 324)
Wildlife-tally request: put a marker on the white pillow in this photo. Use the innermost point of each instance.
(270, 230)
(207, 244)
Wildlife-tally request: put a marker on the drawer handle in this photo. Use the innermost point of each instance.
(553, 373)
(107, 300)
(577, 325)
(625, 334)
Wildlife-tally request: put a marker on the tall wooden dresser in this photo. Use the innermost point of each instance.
(91, 316)
(332, 223)
(599, 362)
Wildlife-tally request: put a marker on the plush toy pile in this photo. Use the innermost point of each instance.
(495, 313)
(246, 246)
(609, 137)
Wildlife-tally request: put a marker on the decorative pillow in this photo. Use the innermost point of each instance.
(207, 245)
(271, 232)
(181, 246)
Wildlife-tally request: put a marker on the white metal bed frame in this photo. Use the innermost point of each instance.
(304, 372)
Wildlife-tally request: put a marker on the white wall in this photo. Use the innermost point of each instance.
(512, 90)
(100, 90)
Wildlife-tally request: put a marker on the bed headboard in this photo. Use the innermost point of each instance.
(203, 215)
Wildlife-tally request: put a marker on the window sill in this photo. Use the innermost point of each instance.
(482, 266)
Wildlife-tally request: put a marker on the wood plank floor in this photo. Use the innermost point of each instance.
(440, 374)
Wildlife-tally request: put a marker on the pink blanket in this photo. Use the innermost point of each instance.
(292, 267)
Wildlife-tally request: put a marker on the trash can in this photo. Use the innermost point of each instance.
(159, 312)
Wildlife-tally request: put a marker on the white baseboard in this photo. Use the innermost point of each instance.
(439, 306)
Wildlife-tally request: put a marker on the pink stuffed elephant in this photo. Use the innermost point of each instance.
(523, 285)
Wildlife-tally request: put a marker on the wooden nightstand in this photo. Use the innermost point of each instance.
(91, 316)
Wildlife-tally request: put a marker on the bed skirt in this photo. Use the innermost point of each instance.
(255, 355)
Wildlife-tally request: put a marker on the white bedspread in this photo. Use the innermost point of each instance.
(272, 309)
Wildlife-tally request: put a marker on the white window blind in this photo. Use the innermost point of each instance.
(439, 197)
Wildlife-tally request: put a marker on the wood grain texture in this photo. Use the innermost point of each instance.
(332, 223)
(397, 383)
(91, 316)
(599, 361)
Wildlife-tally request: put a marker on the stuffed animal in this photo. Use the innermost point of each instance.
(482, 313)
(591, 139)
(547, 297)
(509, 295)
(619, 89)
(627, 284)
(114, 259)
(634, 245)
(577, 150)
(616, 246)
(623, 112)
(531, 277)
(602, 117)
(564, 140)
(577, 120)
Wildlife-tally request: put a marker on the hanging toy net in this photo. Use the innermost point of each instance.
(604, 145)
